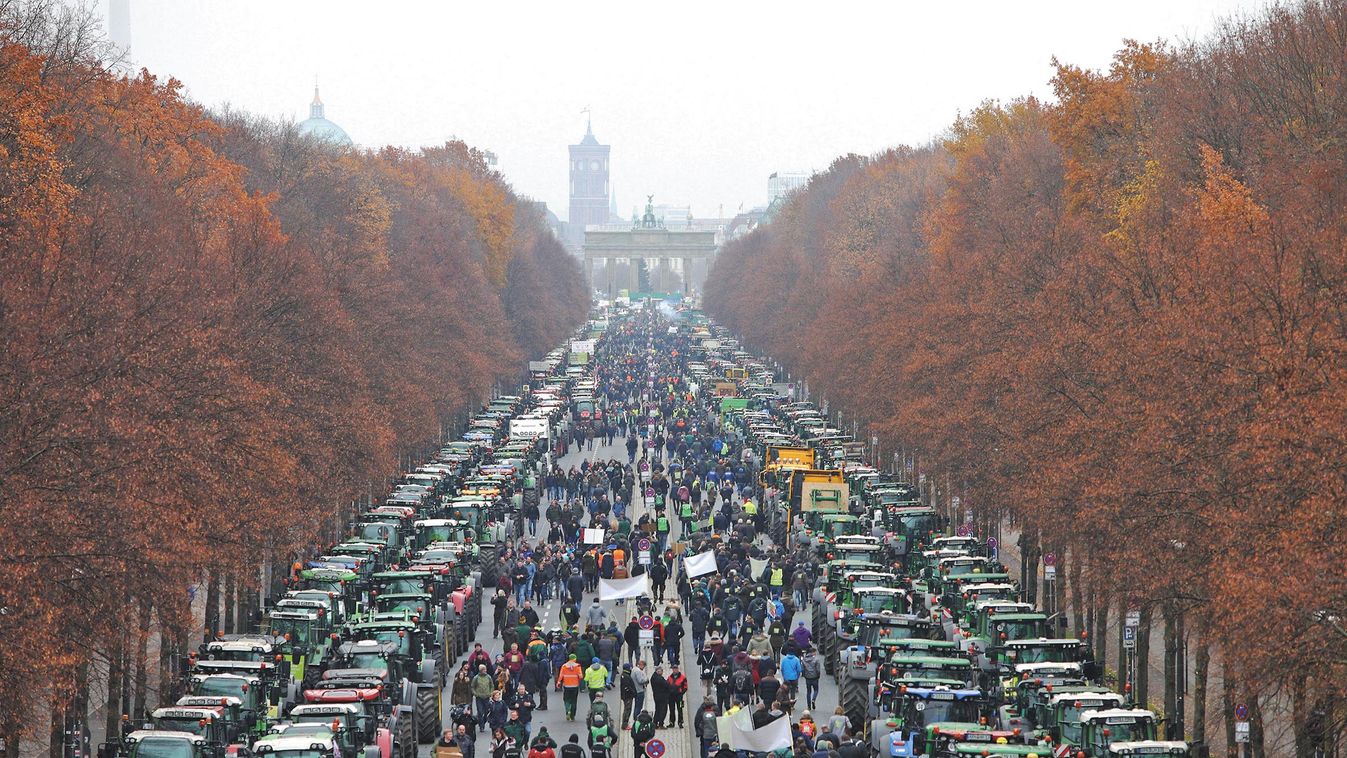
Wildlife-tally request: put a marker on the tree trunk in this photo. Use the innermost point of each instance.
(212, 619)
(1201, 671)
(113, 717)
(1256, 727)
(1100, 607)
(1299, 713)
(142, 658)
(1143, 660)
(229, 604)
(56, 734)
(1171, 660)
(1228, 685)
(1078, 618)
(168, 666)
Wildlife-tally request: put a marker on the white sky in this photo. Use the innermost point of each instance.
(700, 100)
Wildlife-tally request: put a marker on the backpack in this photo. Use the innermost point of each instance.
(742, 680)
(809, 666)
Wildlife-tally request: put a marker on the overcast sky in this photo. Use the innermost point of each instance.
(700, 100)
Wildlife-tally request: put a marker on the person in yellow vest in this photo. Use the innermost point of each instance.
(596, 679)
(776, 579)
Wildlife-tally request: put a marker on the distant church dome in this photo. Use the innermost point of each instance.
(316, 125)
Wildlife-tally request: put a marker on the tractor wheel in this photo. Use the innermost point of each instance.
(405, 734)
(816, 621)
(428, 714)
(852, 699)
(490, 564)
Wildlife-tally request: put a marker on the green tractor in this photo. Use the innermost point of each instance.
(353, 726)
(254, 706)
(906, 718)
(158, 743)
(219, 724)
(1124, 731)
(398, 650)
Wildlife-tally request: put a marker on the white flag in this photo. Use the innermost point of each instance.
(701, 563)
(618, 589)
(756, 567)
(774, 735)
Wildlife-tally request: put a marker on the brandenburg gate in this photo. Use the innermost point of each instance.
(647, 240)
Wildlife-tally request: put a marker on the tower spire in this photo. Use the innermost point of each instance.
(316, 107)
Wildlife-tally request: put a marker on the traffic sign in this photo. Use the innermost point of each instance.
(1241, 712)
(646, 622)
(1050, 573)
(1129, 637)
(654, 748)
(991, 543)
(1049, 559)
(962, 531)
(1241, 731)
(1133, 618)
(643, 544)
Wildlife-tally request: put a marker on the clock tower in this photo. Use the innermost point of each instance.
(589, 186)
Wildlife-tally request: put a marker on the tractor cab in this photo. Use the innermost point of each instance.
(253, 705)
(878, 599)
(398, 582)
(915, 712)
(911, 527)
(1013, 655)
(902, 668)
(1062, 721)
(238, 647)
(350, 723)
(1103, 728)
(155, 743)
(969, 545)
(329, 578)
(303, 637)
(416, 604)
(303, 743)
(210, 722)
(429, 531)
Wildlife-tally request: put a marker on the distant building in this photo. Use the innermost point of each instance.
(782, 183)
(590, 193)
(317, 125)
(745, 222)
(647, 256)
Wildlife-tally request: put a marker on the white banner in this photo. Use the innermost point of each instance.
(738, 731)
(619, 589)
(582, 346)
(593, 536)
(701, 563)
(756, 567)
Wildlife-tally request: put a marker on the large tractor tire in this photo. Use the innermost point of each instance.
(853, 699)
(428, 713)
(404, 732)
(490, 564)
(816, 622)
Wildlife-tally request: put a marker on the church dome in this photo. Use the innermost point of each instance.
(317, 125)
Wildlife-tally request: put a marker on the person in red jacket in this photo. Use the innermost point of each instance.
(678, 690)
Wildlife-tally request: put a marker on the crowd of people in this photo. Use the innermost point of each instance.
(694, 482)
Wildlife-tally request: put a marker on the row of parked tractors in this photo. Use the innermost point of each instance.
(351, 659)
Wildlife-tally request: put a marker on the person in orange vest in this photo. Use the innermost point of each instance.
(568, 681)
